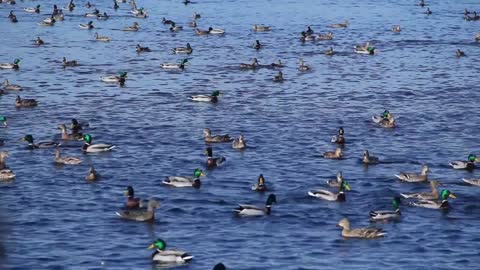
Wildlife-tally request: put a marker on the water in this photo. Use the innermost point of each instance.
(52, 219)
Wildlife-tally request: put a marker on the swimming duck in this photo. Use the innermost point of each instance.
(206, 98)
(95, 148)
(327, 36)
(185, 50)
(337, 154)
(33, 9)
(199, 32)
(216, 31)
(329, 51)
(180, 66)
(66, 160)
(331, 196)
(252, 210)
(309, 31)
(76, 126)
(59, 17)
(175, 28)
(115, 5)
(437, 204)
(32, 145)
(12, 17)
(365, 49)
(132, 202)
(95, 13)
(459, 53)
(121, 78)
(165, 21)
(66, 136)
(39, 41)
(278, 64)
(260, 185)
(219, 266)
(367, 159)
(339, 138)
(71, 63)
(103, 16)
(385, 215)
(253, 65)
(140, 49)
(209, 138)
(278, 77)
(386, 120)
(257, 46)
(25, 103)
(193, 24)
(421, 3)
(424, 195)
(364, 233)
(414, 177)
(464, 165)
(3, 120)
(100, 38)
(185, 181)
(140, 214)
(47, 22)
(239, 143)
(337, 182)
(211, 161)
(71, 6)
(261, 28)
(428, 11)
(302, 66)
(12, 87)
(196, 16)
(88, 26)
(92, 174)
(168, 256)
(339, 25)
(133, 28)
(307, 37)
(140, 13)
(396, 29)
(11, 66)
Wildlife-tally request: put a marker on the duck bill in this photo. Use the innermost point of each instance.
(151, 246)
(347, 187)
(452, 196)
(477, 159)
(125, 193)
(202, 174)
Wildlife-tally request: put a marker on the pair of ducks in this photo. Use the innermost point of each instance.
(88, 147)
(238, 143)
(255, 65)
(134, 211)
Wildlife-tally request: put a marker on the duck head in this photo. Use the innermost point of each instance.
(87, 138)
(344, 186)
(425, 169)
(16, 61)
(445, 194)
(158, 244)
(344, 223)
(123, 74)
(219, 266)
(63, 128)
(472, 158)
(207, 132)
(341, 131)
(28, 138)
(216, 93)
(209, 152)
(261, 180)
(198, 173)
(129, 192)
(270, 200)
(396, 203)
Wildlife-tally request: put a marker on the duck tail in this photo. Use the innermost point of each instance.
(373, 214)
(405, 195)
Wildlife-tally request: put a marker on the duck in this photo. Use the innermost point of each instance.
(396, 29)
(421, 3)
(303, 66)
(261, 28)
(428, 11)
(386, 215)
(140, 214)
(209, 138)
(3, 120)
(339, 138)
(368, 159)
(365, 49)
(65, 160)
(327, 36)
(309, 31)
(253, 211)
(162, 255)
(31, 145)
(95, 13)
(71, 6)
(337, 182)
(331, 196)
(185, 181)
(183, 50)
(199, 32)
(239, 143)
(257, 46)
(474, 182)
(339, 25)
(260, 185)
(386, 120)
(196, 16)
(121, 78)
(175, 28)
(132, 202)
(115, 5)
(180, 66)
(436, 204)
(414, 177)
(66, 136)
(363, 233)
(76, 126)
(329, 51)
(92, 174)
(103, 16)
(100, 38)
(132, 28)
(11, 66)
(253, 65)
(141, 13)
(278, 64)
(47, 22)
(459, 53)
(88, 147)
(424, 195)
(464, 165)
(140, 49)
(7, 174)
(88, 26)
(39, 41)
(165, 21)
(71, 63)
(278, 77)
(25, 103)
(307, 37)
(213, 162)
(33, 9)
(12, 17)
(216, 31)
(213, 98)
(59, 17)
(193, 24)
(11, 87)
(337, 154)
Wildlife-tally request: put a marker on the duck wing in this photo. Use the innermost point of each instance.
(368, 232)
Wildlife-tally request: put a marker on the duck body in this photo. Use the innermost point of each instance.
(364, 233)
(441, 204)
(88, 147)
(10, 66)
(414, 177)
(337, 154)
(6, 174)
(132, 202)
(339, 25)
(253, 65)
(168, 256)
(92, 174)
(141, 215)
(65, 160)
(387, 215)
(239, 143)
(87, 26)
(474, 182)
(433, 195)
(140, 49)
(213, 162)
(185, 181)
(132, 28)
(261, 28)
(216, 31)
(209, 138)
(464, 165)
(368, 159)
(32, 145)
(183, 50)
(255, 211)
(337, 182)
(174, 66)
(206, 98)
(102, 39)
(11, 87)
(33, 9)
(121, 78)
(331, 196)
(25, 103)
(71, 63)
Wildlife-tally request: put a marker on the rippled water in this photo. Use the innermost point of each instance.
(52, 219)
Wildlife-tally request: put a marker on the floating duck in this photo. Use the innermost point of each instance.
(213, 162)
(307, 37)
(115, 5)
(87, 26)
(257, 46)
(303, 66)
(185, 181)
(33, 9)
(71, 63)
(428, 11)
(421, 3)
(337, 182)
(165, 21)
(396, 29)
(100, 38)
(92, 174)
(368, 159)
(364, 233)
(193, 24)
(385, 215)
(103, 16)
(140, 49)
(252, 210)
(209, 138)
(386, 120)
(331, 196)
(329, 51)
(339, 25)
(76, 126)
(180, 66)
(309, 31)
(32, 145)
(5, 172)
(132, 202)
(196, 16)
(278, 64)
(216, 31)
(261, 28)
(121, 78)
(437, 204)
(424, 195)
(39, 41)
(183, 50)
(459, 53)
(168, 256)
(253, 65)
(365, 49)
(132, 28)
(95, 148)
(11, 66)
(414, 177)
(175, 28)
(25, 103)
(278, 77)
(339, 138)
(95, 13)
(206, 98)
(239, 143)
(260, 185)
(140, 214)
(11, 87)
(65, 160)
(464, 165)
(327, 36)
(337, 154)
(141, 13)
(66, 136)
(12, 17)
(199, 32)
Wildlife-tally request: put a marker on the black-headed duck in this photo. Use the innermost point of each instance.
(213, 162)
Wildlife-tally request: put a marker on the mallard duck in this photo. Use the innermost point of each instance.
(339, 25)
(216, 31)
(71, 63)
(365, 49)
(436, 204)
(464, 165)
(209, 138)
(206, 98)
(12, 87)
(93, 14)
(103, 16)
(386, 120)
(184, 50)
(337, 154)
(32, 145)
(337, 182)
(309, 31)
(278, 77)
(307, 37)
(185, 181)
(33, 9)
(66, 160)
(196, 16)
(219, 266)
(365, 233)
(396, 29)
(257, 46)
(132, 202)
(165, 21)
(92, 174)
(421, 3)
(66, 136)
(76, 126)
(140, 49)
(339, 138)
(424, 195)
(329, 51)
(331, 196)
(261, 28)
(428, 11)
(3, 158)
(459, 53)
(141, 13)
(193, 24)
(11, 66)
(115, 5)
(115, 79)
(25, 103)
(95, 148)
(59, 17)
(252, 210)
(100, 38)
(278, 64)
(199, 32)
(168, 256)
(253, 65)
(88, 26)
(39, 41)
(7, 174)
(367, 159)
(3, 120)
(140, 214)
(302, 66)
(239, 143)
(71, 6)
(133, 28)
(260, 185)
(48, 22)
(474, 182)
(388, 214)
(327, 36)
(213, 162)
(414, 177)
(175, 28)
(180, 66)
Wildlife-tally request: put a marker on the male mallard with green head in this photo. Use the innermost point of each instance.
(213, 98)
(469, 164)
(386, 215)
(437, 204)
(331, 196)
(185, 181)
(252, 210)
(95, 148)
(162, 255)
(31, 145)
